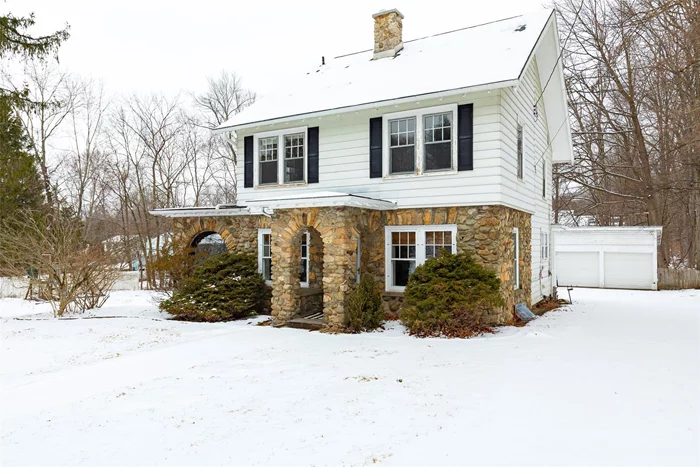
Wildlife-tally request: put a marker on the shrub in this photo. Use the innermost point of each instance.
(451, 296)
(364, 306)
(222, 288)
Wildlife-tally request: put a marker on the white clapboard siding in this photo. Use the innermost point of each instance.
(526, 194)
(344, 162)
(344, 159)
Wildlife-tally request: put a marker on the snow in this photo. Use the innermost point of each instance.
(610, 380)
(491, 53)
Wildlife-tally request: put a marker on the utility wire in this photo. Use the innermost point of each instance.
(561, 52)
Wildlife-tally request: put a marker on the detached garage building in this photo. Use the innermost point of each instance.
(606, 257)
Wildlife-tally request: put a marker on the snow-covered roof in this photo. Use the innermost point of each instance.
(492, 54)
(266, 206)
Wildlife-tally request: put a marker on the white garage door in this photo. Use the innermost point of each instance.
(628, 270)
(580, 269)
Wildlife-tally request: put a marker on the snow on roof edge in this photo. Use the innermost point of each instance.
(283, 118)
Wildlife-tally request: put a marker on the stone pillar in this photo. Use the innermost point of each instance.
(286, 244)
(388, 33)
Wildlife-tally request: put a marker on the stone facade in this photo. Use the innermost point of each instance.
(388, 31)
(485, 231)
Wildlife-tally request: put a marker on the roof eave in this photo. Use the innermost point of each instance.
(370, 105)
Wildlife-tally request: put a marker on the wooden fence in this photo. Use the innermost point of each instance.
(674, 279)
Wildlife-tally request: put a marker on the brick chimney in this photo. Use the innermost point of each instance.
(388, 29)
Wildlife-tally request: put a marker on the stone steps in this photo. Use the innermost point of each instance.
(305, 323)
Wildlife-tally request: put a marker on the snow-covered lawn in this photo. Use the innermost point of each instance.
(613, 379)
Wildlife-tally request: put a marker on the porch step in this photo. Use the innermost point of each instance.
(306, 323)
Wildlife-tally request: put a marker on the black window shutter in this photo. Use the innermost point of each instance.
(248, 162)
(375, 147)
(465, 138)
(312, 168)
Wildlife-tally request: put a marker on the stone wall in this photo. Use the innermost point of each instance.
(484, 231)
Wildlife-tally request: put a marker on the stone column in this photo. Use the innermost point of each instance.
(286, 243)
(339, 263)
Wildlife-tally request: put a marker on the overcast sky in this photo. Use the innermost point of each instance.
(171, 45)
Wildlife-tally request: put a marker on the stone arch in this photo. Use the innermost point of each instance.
(194, 232)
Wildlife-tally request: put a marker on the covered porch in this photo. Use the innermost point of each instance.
(309, 247)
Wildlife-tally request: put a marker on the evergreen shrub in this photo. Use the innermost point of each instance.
(451, 296)
(222, 288)
(364, 308)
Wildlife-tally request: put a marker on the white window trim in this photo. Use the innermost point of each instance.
(418, 114)
(420, 231)
(262, 232)
(308, 259)
(516, 285)
(280, 156)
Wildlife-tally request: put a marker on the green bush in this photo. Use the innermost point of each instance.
(222, 288)
(364, 306)
(451, 296)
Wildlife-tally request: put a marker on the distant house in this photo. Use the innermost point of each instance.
(374, 161)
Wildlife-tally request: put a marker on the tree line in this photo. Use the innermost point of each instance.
(632, 70)
(103, 160)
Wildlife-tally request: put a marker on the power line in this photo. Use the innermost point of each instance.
(561, 53)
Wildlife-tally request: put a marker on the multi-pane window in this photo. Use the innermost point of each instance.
(304, 263)
(407, 247)
(436, 241)
(437, 131)
(294, 158)
(403, 257)
(402, 145)
(265, 254)
(267, 148)
(544, 244)
(520, 151)
(281, 156)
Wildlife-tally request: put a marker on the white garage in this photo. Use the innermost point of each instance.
(606, 257)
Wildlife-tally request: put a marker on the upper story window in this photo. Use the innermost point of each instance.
(420, 141)
(438, 141)
(544, 179)
(281, 157)
(268, 160)
(294, 158)
(402, 145)
(519, 154)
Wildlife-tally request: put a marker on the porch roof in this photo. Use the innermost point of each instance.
(267, 206)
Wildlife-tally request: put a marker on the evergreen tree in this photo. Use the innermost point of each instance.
(15, 40)
(20, 186)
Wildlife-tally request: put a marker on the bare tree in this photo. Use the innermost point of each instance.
(627, 67)
(49, 103)
(225, 97)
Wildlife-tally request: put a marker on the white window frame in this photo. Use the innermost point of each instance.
(516, 284)
(280, 134)
(305, 284)
(418, 114)
(420, 231)
(262, 232)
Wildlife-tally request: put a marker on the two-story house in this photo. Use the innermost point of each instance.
(374, 161)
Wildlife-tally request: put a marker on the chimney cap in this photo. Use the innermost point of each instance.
(386, 12)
